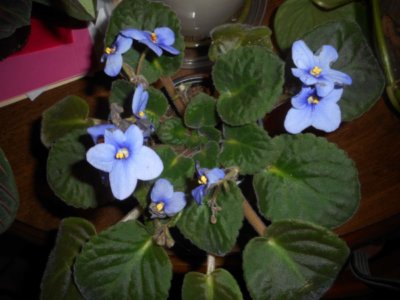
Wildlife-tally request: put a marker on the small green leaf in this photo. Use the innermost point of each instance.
(331, 4)
(174, 132)
(141, 192)
(121, 93)
(294, 18)
(70, 176)
(156, 106)
(9, 198)
(57, 281)
(14, 14)
(201, 112)
(63, 117)
(207, 157)
(249, 80)
(84, 10)
(211, 133)
(145, 15)
(356, 59)
(307, 178)
(246, 147)
(123, 263)
(234, 35)
(220, 285)
(218, 238)
(177, 169)
(295, 260)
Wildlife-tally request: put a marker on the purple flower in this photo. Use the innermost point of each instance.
(126, 159)
(311, 110)
(206, 179)
(316, 69)
(113, 55)
(162, 38)
(165, 202)
(98, 131)
(139, 102)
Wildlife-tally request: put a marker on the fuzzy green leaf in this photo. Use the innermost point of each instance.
(84, 10)
(207, 157)
(295, 260)
(201, 111)
(121, 93)
(308, 178)
(14, 14)
(249, 80)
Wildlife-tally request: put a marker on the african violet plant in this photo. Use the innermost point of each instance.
(192, 167)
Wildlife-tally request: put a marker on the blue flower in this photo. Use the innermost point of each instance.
(206, 179)
(311, 110)
(165, 202)
(126, 159)
(316, 69)
(113, 55)
(98, 131)
(139, 102)
(162, 38)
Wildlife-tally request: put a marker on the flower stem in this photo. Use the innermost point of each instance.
(140, 62)
(253, 218)
(177, 101)
(210, 263)
(133, 214)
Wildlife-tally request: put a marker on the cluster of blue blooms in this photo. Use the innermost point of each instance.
(317, 103)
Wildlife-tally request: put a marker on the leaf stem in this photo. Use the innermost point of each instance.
(133, 214)
(254, 220)
(210, 263)
(140, 62)
(170, 88)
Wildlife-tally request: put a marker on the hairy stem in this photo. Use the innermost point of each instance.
(210, 263)
(254, 219)
(133, 214)
(170, 88)
(140, 62)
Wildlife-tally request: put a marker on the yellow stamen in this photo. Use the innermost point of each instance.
(153, 37)
(110, 50)
(203, 179)
(316, 71)
(122, 153)
(160, 206)
(313, 100)
(141, 114)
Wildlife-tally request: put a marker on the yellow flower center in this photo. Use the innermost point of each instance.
(160, 206)
(141, 114)
(316, 71)
(110, 50)
(313, 100)
(203, 179)
(122, 153)
(153, 37)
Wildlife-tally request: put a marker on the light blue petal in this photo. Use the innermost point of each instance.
(165, 36)
(304, 76)
(122, 179)
(143, 101)
(115, 137)
(162, 191)
(147, 164)
(214, 176)
(299, 101)
(302, 56)
(102, 156)
(175, 204)
(324, 87)
(170, 49)
(334, 96)
(298, 119)
(326, 116)
(198, 193)
(134, 138)
(134, 34)
(137, 96)
(113, 64)
(98, 131)
(326, 56)
(337, 77)
(155, 48)
(123, 44)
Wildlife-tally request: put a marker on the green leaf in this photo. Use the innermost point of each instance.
(63, 117)
(141, 193)
(145, 15)
(308, 178)
(121, 93)
(217, 238)
(70, 176)
(177, 169)
(207, 157)
(294, 18)
(355, 59)
(249, 80)
(9, 198)
(14, 14)
(201, 112)
(57, 281)
(246, 147)
(156, 106)
(123, 263)
(330, 4)
(219, 285)
(295, 260)
(234, 35)
(211, 133)
(84, 10)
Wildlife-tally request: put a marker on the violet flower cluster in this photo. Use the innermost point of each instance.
(317, 103)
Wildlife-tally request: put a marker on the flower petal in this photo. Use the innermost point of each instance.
(135, 34)
(155, 48)
(134, 138)
(101, 156)
(298, 119)
(123, 44)
(338, 77)
(165, 36)
(324, 87)
(147, 164)
(334, 96)
(326, 116)
(176, 204)
(299, 101)
(98, 131)
(214, 175)
(122, 179)
(137, 100)
(326, 56)
(302, 56)
(113, 64)
(198, 193)
(304, 76)
(170, 49)
(162, 191)
(115, 137)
